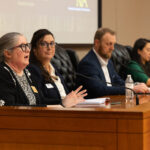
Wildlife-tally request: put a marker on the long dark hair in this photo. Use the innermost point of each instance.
(37, 36)
(139, 45)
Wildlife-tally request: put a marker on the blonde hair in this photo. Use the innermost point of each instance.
(101, 32)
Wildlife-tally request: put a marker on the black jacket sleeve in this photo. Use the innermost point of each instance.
(7, 88)
(39, 82)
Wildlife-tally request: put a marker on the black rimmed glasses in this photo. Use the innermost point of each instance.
(46, 44)
(24, 47)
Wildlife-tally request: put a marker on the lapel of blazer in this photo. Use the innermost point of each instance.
(111, 70)
(97, 64)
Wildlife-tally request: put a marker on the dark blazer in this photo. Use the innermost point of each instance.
(10, 90)
(96, 84)
(50, 92)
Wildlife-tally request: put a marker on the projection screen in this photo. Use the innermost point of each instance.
(71, 21)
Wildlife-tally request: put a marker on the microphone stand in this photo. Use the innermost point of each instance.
(136, 95)
(137, 99)
(138, 71)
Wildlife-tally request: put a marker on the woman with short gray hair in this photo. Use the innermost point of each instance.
(8, 41)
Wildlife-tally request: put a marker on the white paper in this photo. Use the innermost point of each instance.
(95, 101)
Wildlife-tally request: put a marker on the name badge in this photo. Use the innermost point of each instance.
(49, 86)
(34, 89)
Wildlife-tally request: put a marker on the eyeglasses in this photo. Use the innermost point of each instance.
(24, 47)
(45, 44)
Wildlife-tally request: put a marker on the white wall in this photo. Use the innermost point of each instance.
(129, 18)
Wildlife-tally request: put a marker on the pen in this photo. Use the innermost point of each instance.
(115, 103)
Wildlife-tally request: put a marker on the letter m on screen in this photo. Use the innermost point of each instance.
(81, 3)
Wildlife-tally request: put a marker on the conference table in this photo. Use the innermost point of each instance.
(117, 125)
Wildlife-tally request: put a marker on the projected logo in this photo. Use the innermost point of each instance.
(81, 5)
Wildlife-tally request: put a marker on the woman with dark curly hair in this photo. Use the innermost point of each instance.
(47, 78)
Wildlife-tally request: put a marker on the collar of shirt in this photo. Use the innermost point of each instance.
(53, 75)
(101, 60)
(58, 83)
(52, 70)
(104, 64)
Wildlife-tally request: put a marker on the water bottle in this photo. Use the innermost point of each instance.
(129, 84)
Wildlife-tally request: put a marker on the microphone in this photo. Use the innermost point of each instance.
(113, 84)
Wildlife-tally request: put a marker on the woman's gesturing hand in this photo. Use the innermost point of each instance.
(74, 97)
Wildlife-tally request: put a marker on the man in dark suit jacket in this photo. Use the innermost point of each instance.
(100, 77)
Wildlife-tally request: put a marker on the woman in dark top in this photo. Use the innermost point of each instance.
(47, 78)
(16, 86)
